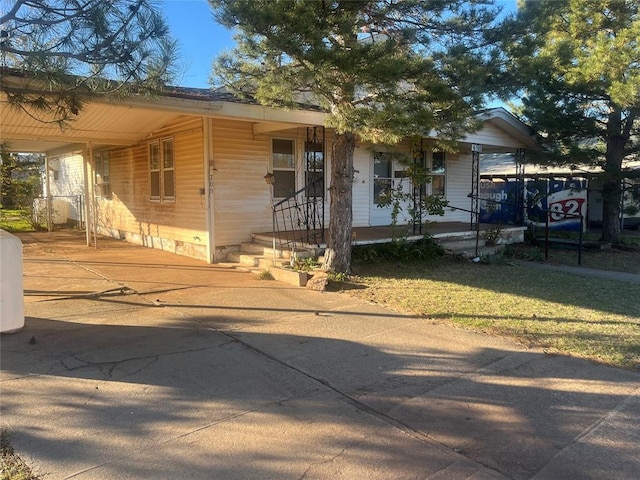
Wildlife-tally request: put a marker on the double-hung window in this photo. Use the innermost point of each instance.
(435, 163)
(438, 174)
(162, 171)
(283, 160)
(102, 175)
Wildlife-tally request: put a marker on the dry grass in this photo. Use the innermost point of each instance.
(12, 467)
(590, 318)
(622, 258)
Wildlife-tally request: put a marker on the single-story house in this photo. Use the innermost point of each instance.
(190, 171)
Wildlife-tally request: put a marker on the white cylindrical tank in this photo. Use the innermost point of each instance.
(11, 292)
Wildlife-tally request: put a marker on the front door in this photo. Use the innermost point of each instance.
(388, 175)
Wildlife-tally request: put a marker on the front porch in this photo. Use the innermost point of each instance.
(278, 252)
(445, 233)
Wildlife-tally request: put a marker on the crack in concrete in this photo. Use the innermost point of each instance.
(113, 364)
(316, 464)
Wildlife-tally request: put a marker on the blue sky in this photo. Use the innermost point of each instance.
(201, 39)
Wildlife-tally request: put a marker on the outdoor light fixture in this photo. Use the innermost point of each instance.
(270, 178)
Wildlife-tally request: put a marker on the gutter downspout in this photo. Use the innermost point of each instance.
(209, 167)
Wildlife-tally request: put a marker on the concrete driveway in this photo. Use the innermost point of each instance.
(139, 364)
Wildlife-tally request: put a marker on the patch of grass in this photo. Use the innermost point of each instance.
(622, 258)
(15, 221)
(12, 467)
(265, 275)
(590, 318)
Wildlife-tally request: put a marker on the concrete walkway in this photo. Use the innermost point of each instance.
(139, 364)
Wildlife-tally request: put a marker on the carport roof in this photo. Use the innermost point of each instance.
(107, 121)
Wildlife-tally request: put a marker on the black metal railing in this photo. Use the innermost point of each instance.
(299, 218)
(547, 212)
(547, 243)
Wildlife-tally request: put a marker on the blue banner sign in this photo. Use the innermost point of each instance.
(565, 197)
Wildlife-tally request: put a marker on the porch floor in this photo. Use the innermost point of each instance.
(384, 234)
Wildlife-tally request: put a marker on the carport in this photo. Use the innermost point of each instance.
(104, 122)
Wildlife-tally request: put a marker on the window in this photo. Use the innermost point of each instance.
(283, 160)
(438, 171)
(382, 181)
(162, 170)
(102, 175)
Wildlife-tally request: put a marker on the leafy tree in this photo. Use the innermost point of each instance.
(72, 49)
(577, 64)
(19, 179)
(382, 69)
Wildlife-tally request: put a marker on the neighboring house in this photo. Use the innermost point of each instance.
(185, 171)
(500, 169)
(63, 184)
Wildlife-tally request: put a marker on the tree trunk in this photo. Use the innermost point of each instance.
(338, 252)
(611, 211)
(612, 177)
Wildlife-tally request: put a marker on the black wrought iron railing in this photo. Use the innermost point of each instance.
(299, 218)
(475, 223)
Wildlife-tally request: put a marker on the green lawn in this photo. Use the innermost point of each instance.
(15, 220)
(591, 318)
(622, 258)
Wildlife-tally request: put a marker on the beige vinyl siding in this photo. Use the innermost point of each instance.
(241, 195)
(178, 226)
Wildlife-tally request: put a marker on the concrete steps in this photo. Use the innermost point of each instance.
(259, 256)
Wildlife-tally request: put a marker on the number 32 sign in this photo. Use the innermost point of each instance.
(567, 209)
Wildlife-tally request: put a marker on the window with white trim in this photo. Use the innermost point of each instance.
(438, 173)
(435, 163)
(102, 176)
(162, 178)
(283, 161)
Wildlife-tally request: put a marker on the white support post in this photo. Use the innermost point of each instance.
(207, 132)
(47, 176)
(87, 152)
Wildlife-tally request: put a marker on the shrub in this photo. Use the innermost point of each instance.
(400, 250)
